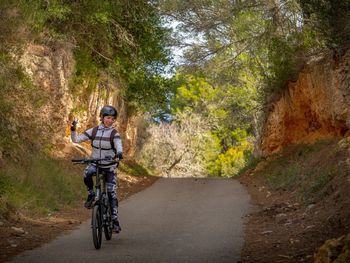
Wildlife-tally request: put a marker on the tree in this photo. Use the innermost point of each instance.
(120, 39)
(329, 19)
(177, 149)
(207, 134)
(268, 34)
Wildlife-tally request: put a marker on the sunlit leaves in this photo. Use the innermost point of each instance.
(122, 39)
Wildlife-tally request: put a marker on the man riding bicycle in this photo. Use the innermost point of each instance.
(105, 142)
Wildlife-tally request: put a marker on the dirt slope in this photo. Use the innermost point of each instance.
(301, 200)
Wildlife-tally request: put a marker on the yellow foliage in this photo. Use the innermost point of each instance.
(233, 160)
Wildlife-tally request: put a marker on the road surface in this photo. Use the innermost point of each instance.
(174, 220)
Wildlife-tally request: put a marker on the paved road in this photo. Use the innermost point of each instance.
(174, 220)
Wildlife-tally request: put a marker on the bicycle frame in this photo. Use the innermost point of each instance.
(100, 186)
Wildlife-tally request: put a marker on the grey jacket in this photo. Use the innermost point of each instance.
(102, 147)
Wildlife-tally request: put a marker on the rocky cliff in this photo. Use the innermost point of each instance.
(315, 106)
(50, 68)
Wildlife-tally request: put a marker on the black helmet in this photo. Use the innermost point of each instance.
(108, 111)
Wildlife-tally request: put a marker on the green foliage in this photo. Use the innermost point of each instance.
(315, 187)
(234, 159)
(334, 250)
(151, 93)
(227, 109)
(85, 79)
(305, 169)
(267, 40)
(210, 128)
(113, 39)
(39, 185)
(194, 93)
(328, 19)
(210, 148)
(284, 179)
(133, 168)
(251, 163)
(281, 53)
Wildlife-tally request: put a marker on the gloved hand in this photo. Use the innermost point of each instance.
(120, 156)
(73, 126)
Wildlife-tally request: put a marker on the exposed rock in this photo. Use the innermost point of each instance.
(314, 107)
(292, 241)
(281, 215)
(18, 230)
(309, 227)
(334, 250)
(309, 207)
(50, 68)
(266, 232)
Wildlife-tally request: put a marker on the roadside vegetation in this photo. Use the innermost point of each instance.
(131, 167)
(306, 170)
(38, 186)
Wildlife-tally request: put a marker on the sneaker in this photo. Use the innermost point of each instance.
(89, 201)
(116, 226)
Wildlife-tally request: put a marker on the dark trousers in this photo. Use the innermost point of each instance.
(111, 185)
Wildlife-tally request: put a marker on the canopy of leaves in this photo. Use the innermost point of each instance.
(124, 39)
(221, 38)
(225, 108)
(328, 18)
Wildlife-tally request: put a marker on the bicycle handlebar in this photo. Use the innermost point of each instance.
(96, 161)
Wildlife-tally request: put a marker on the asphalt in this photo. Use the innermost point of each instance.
(174, 220)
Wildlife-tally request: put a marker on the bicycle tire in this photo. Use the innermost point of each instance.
(97, 226)
(107, 227)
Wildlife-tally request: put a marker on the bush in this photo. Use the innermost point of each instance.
(234, 159)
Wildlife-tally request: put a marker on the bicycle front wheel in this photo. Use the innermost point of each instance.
(107, 227)
(97, 226)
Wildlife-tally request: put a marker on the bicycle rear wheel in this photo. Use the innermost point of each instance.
(97, 226)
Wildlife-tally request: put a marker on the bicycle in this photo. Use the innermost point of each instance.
(101, 217)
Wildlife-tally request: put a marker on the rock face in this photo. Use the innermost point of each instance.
(50, 68)
(315, 106)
